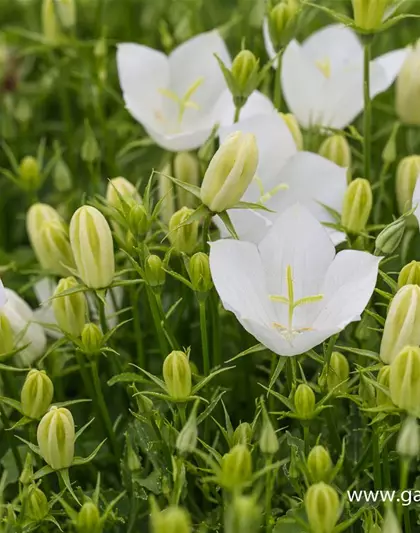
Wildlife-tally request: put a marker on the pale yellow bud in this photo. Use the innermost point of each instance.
(120, 191)
(407, 89)
(37, 394)
(404, 380)
(322, 507)
(69, 310)
(357, 206)
(187, 169)
(410, 274)
(166, 195)
(236, 467)
(369, 14)
(177, 375)
(56, 437)
(337, 149)
(408, 442)
(408, 171)
(294, 128)
(183, 237)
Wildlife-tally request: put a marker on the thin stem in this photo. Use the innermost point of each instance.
(157, 322)
(268, 496)
(215, 326)
(377, 472)
(277, 85)
(11, 439)
(403, 509)
(206, 228)
(237, 113)
(306, 437)
(204, 337)
(141, 360)
(102, 315)
(367, 117)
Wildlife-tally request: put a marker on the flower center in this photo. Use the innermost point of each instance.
(324, 66)
(289, 332)
(184, 102)
(265, 196)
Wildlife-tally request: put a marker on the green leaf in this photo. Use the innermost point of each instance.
(126, 377)
(277, 371)
(64, 474)
(208, 410)
(225, 218)
(358, 351)
(208, 378)
(33, 447)
(83, 428)
(193, 189)
(288, 403)
(252, 205)
(71, 402)
(156, 380)
(77, 461)
(12, 403)
(44, 471)
(254, 349)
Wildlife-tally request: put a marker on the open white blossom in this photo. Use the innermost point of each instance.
(284, 177)
(322, 78)
(292, 291)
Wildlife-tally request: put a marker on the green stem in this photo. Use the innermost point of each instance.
(11, 439)
(367, 117)
(237, 113)
(206, 229)
(167, 329)
(377, 472)
(277, 85)
(404, 471)
(268, 496)
(386, 469)
(141, 360)
(102, 315)
(157, 322)
(204, 337)
(306, 437)
(215, 326)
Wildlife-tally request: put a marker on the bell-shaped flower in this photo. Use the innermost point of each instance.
(179, 98)
(322, 78)
(284, 177)
(291, 291)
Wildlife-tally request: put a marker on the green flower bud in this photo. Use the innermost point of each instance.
(382, 399)
(199, 270)
(390, 237)
(338, 373)
(230, 172)
(66, 13)
(391, 523)
(186, 441)
(367, 392)
(236, 467)
(36, 394)
(319, 464)
(304, 401)
(138, 221)
(56, 437)
(404, 380)
(183, 237)
(177, 375)
(27, 473)
(93, 249)
(171, 520)
(92, 338)
(88, 519)
(90, 151)
(166, 195)
(36, 505)
(154, 273)
(402, 324)
(337, 149)
(120, 191)
(407, 89)
(50, 26)
(132, 459)
(7, 342)
(408, 442)
(408, 171)
(38, 214)
(187, 170)
(30, 173)
(294, 128)
(242, 434)
(269, 443)
(243, 515)
(410, 274)
(244, 67)
(62, 176)
(69, 310)
(357, 206)
(322, 507)
(281, 23)
(369, 15)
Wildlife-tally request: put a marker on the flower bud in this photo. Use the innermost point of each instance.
(230, 172)
(187, 170)
(357, 206)
(390, 237)
(281, 21)
(244, 67)
(407, 89)
(186, 441)
(166, 195)
(367, 392)
(182, 236)
(6, 335)
(69, 310)
(369, 15)
(56, 437)
(66, 13)
(319, 464)
(404, 380)
(410, 274)
(92, 338)
(37, 504)
(304, 401)
(242, 434)
(93, 249)
(177, 375)
(120, 191)
(322, 507)
(171, 520)
(269, 443)
(90, 150)
(408, 442)
(154, 273)
(30, 174)
(382, 399)
(294, 128)
(236, 467)
(243, 515)
(62, 177)
(391, 523)
(200, 275)
(408, 171)
(402, 324)
(37, 394)
(38, 214)
(50, 26)
(88, 519)
(138, 221)
(337, 149)
(27, 473)
(338, 373)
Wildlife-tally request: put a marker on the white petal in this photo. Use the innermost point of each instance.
(249, 224)
(390, 65)
(416, 199)
(268, 44)
(180, 142)
(349, 284)
(2, 294)
(44, 314)
(142, 72)
(257, 104)
(44, 289)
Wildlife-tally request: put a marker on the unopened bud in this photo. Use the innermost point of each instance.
(322, 507)
(56, 438)
(88, 519)
(174, 519)
(244, 68)
(236, 467)
(90, 150)
(70, 309)
(166, 195)
(138, 221)
(243, 515)
(404, 380)
(408, 171)
(383, 399)
(390, 237)
(281, 23)
(27, 473)
(187, 170)
(304, 400)
(408, 442)
(37, 507)
(337, 149)
(182, 234)
(200, 275)
(338, 373)
(319, 464)
(121, 192)
(369, 15)
(7, 342)
(407, 89)
(62, 177)
(357, 206)
(177, 375)
(367, 392)
(269, 443)
(391, 523)
(186, 441)
(92, 338)
(30, 174)
(242, 434)
(37, 394)
(410, 274)
(154, 273)
(230, 172)
(294, 128)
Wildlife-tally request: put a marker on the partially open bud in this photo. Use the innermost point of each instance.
(36, 505)
(408, 442)
(120, 191)
(242, 434)
(93, 249)
(174, 519)
(230, 172)
(357, 206)
(369, 15)
(30, 173)
(92, 339)
(236, 467)
(338, 373)
(56, 437)
(7, 342)
(408, 89)
(244, 67)
(390, 237)
(88, 519)
(69, 310)
(187, 170)
(186, 441)
(269, 443)
(322, 507)
(154, 273)
(243, 515)
(409, 275)
(281, 23)
(408, 171)
(319, 464)
(404, 380)
(37, 394)
(337, 149)
(294, 128)
(383, 399)
(200, 275)
(402, 324)
(304, 400)
(177, 375)
(183, 237)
